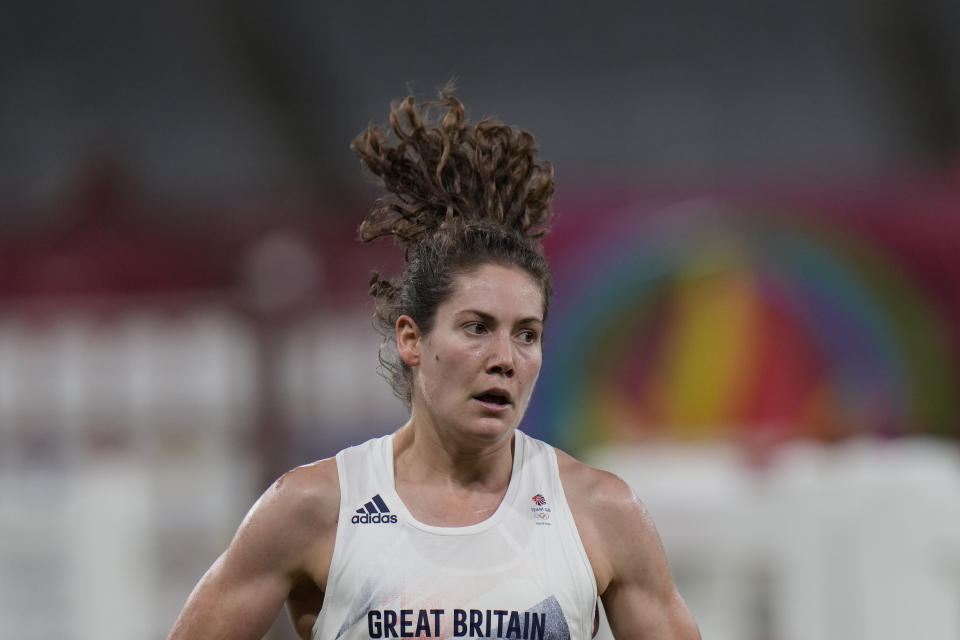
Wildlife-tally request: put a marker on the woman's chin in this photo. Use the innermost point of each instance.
(486, 431)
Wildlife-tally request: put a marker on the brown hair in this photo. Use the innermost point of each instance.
(458, 196)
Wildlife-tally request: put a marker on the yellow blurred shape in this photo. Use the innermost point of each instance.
(707, 359)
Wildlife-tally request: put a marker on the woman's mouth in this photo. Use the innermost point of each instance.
(494, 400)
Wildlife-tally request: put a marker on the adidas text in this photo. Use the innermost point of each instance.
(377, 518)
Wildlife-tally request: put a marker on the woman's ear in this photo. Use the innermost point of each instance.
(408, 340)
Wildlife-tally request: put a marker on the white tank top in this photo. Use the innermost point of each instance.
(521, 574)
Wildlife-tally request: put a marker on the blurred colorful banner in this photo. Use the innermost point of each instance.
(753, 318)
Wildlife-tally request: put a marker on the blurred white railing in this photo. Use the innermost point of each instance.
(852, 541)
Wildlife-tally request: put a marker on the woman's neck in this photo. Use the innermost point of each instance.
(448, 486)
(425, 455)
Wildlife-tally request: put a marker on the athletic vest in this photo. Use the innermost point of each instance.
(521, 574)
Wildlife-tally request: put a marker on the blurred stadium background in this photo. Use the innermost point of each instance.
(757, 318)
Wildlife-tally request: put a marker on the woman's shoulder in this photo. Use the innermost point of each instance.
(290, 525)
(299, 505)
(605, 508)
(308, 493)
(589, 486)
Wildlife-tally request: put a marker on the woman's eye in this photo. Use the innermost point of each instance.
(475, 328)
(528, 336)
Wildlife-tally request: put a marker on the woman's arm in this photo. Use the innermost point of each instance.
(286, 539)
(633, 576)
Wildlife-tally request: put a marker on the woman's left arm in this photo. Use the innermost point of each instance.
(633, 576)
(640, 599)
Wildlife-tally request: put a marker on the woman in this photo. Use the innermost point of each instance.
(457, 524)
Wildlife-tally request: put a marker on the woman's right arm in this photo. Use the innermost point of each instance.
(286, 539)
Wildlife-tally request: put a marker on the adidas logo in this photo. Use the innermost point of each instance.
(374, 512)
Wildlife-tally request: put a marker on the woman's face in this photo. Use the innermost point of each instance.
(474, 373)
